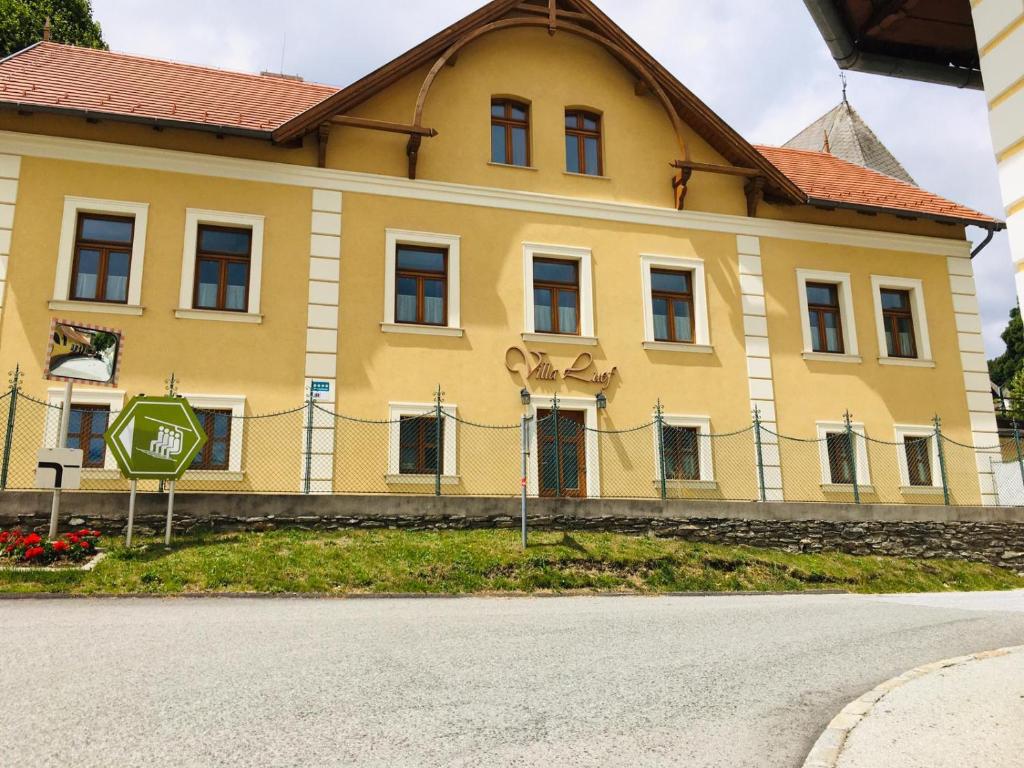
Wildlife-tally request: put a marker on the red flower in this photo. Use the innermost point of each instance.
(84, 544)
(33, 552)
(32, 538)
(60, 546)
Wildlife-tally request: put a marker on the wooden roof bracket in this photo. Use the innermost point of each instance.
(412, 150)
(415, 139)
(552, 17)
(323, 134)
(754, 190)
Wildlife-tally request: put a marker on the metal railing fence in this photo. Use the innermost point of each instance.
(313, 448)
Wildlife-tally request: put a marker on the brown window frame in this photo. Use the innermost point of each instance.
(85, 432)
(890, 318)
(508, 123)
(911, 443)
(105, 247)
(819, 311)
(845, 449)
(424, 441)
(206, 463)
(676, 451)
(224, 259)
(420, 276)
(579, 133)
(671, 297)
(555, 289)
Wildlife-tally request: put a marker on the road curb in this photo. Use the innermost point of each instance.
(392, 595)
(829, 747)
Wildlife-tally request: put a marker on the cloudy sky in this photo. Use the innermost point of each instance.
(762, 66)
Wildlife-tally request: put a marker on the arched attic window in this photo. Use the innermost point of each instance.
(510, 131)
(583, 142)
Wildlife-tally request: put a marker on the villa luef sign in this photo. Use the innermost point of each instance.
(155, 437)
(536, 365)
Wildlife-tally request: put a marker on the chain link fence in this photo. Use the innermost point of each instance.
(431, 449)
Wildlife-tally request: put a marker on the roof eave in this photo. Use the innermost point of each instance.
(994, 225)
(156, 122)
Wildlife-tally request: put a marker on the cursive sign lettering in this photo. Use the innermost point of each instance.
(536, 365)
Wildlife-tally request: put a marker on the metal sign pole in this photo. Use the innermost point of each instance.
(131, 512)
(170, 512)
(62, 440)
(525, 429)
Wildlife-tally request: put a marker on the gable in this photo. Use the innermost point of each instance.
(580, 18)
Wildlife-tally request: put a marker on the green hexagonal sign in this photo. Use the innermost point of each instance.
(155, 437)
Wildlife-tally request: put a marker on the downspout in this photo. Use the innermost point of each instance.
(988, 238)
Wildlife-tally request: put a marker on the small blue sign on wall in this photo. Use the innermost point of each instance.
(320, 389)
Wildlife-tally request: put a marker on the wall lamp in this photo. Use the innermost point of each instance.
(524, 396)
(602, 401)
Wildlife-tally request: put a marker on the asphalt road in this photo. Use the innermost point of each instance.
(594, 681)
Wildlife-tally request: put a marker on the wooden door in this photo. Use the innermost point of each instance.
(568, 477)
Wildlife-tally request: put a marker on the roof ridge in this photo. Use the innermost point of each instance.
(174, 63)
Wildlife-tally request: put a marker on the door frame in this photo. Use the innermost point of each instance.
(588, 405)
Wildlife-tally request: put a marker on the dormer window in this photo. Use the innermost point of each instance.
(583, 142)
(510, 132)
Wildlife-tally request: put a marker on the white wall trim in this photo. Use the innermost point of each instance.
(112, 398)
(860, 449)
(322, 301)
(10, 168)
(847, 317)
(705, 452)
(586, 286)
(591, 447)
(395, 237)
(196, 216)
(123, 155)
(902, 431)
(235, 404)
(916, 289)
(396, 411)
(701, 330)
(66, 246)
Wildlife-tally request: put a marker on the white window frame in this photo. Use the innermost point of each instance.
(706, 457)
(235, 404)
(193, 218)
(591, 447)
(863, 471)
(701, 327)
(921, 338)
(586, 288)
(902, 431)
(449, 470)
(396, 237)
(73, 206)
(112, 398)
(847, 318)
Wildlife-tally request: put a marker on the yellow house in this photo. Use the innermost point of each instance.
(527, 211)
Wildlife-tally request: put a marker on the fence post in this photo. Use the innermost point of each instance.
(942, 459)
(760, 454)
(307, 484)
(438, 452)
(852, 457)
(12, 408)
(524, 428)
(558, 447)
(659, 421)
(1020, 459)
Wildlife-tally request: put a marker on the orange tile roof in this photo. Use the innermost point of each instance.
(50, 75)
(823, 176)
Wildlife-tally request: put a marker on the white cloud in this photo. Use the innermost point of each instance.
(762, 66)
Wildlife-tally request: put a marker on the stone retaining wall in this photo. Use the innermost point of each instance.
(986, 534)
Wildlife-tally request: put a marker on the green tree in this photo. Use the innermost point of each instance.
(1015, 394)
(71, 21)
(1003, 368)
